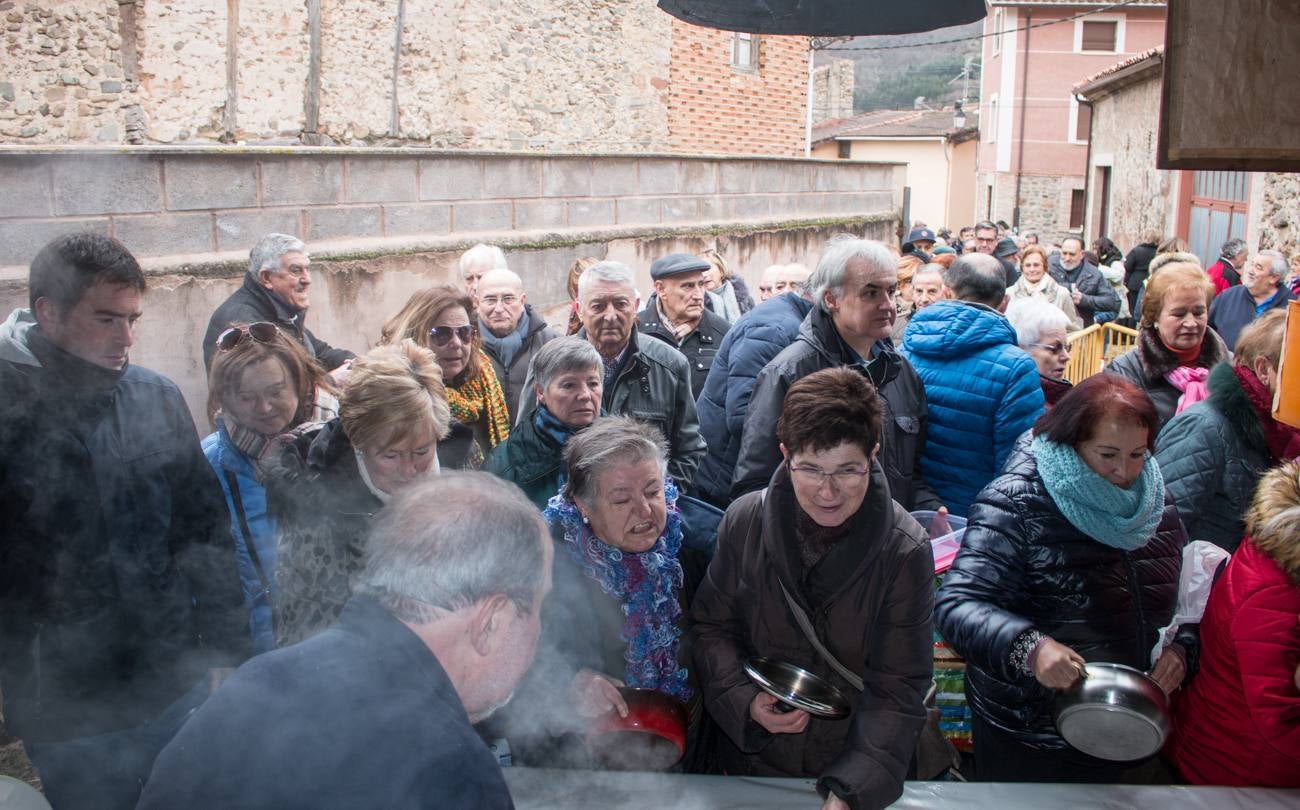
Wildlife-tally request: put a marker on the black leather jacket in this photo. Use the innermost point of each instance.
(1023, 566)
(903, 396)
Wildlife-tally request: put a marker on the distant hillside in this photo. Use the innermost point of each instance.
(893, 78)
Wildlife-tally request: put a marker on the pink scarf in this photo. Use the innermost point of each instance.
(1191, 381)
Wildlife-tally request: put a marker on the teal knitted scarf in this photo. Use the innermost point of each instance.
(1120, 518)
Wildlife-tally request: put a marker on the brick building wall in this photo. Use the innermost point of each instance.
(715, 108)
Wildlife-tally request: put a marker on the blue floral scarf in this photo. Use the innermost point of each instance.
(646, 584)
(1120, 518)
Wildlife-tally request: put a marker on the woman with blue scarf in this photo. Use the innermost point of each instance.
(568, 383)
(1072, 555)
(619, 598)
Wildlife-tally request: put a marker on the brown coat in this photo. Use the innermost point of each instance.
(874, 614)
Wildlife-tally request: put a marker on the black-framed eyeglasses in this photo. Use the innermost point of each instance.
(262, 332)
(442, 335)
(840, 478)
(1052, 348)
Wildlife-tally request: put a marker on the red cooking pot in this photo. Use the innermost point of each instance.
(651, 738)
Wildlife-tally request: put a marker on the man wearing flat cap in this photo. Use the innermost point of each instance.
(919, 243)
(1006, 252)
(676, 313)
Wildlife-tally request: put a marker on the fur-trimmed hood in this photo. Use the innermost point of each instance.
(1274, 518)
(1157, 361)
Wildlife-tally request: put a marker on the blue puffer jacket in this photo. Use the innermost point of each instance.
(982, 390)
(224, 457)
(750, 344)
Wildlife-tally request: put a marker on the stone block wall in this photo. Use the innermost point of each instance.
(381, 223)
(715, 108)
(62, 78)
(833, 90)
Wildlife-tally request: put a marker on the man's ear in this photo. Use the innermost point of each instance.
(830, 301)
(659, 288)
(264, 277)
(487, 623)
(947, 293)
(46, 311)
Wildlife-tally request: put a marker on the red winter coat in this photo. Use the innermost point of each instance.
(1224, 275)
(1239, 722)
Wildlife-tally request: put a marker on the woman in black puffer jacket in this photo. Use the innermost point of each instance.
(1071, 555)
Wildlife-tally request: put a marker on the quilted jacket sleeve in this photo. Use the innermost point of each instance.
(760, 453)
(1263, 636)
(1022, 404)
(1191, 453)
(890, 713)
(747, 361)
(976, 606)
(716, 631)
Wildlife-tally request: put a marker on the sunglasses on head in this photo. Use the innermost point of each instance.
(442, 335)
(262, 332)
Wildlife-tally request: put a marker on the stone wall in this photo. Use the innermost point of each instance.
(62, 79)
(380, 223)
(1276, 212)
(1142, 197)
(488, 74)
(833, 90)
(715, 108)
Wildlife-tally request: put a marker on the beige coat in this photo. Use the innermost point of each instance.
(1052, 293)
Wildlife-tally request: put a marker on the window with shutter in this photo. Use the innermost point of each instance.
(1099, 35)
(1083, 123)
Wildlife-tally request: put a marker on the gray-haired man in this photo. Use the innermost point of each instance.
(276, 289)
(376, 711)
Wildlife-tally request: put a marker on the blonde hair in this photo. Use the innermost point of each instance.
(1263, 337)
(907, 267)
(713, 257)
(575, 272)
(1183, 273)
(1035, 249)
(393, 392)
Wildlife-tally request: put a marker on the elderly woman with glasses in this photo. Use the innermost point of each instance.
(826, 542)
(1041, 332)
(568, 379)
(263, 383)
(328, 480)
(444, 319)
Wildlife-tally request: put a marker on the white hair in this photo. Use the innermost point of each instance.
(1276, 262)
(1030, 317)
(266, 254)
(833, 266)
(608, 270)
(451, 541)
(490, 257)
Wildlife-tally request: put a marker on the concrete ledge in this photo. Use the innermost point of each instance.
(233, 263)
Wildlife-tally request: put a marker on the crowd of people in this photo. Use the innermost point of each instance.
(485, 529)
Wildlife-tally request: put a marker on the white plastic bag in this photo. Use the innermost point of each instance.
(1200, 560)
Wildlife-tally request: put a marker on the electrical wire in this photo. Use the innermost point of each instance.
(828, 49)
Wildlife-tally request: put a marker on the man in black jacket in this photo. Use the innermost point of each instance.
(375, 712)
(511, 329)
(849, 325)
(120, 601)
(276, 289)
(1093, 296)
(676, 314)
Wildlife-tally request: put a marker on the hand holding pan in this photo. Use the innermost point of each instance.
(798, 688)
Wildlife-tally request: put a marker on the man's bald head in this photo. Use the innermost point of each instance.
(977, 278)
(500, 300)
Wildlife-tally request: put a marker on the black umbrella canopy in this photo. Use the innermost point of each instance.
(826, 18)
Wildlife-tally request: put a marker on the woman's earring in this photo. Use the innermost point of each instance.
(586, 520)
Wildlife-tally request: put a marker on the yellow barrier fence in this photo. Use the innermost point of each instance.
(1092, 348)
